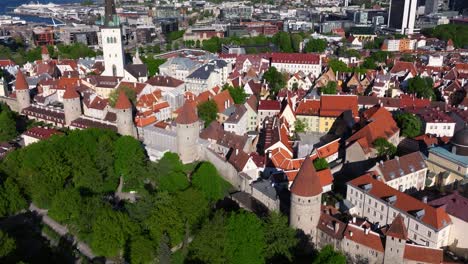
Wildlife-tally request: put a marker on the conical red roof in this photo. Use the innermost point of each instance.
(44, 50)
(187, 114)
(21, 83)
(307, 182)
(122, 101)
(70, 93)
(397, 228)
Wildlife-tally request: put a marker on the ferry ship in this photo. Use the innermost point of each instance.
(11, 20)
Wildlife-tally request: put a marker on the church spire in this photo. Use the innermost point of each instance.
(110, 16)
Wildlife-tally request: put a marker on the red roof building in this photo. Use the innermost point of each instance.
(307, 182)
(122, 101)
(187, 115)
(21, 83)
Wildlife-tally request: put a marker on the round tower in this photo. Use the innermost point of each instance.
(123, 111)
(188, 131)
(395, 241)
(22, 91)
(306, 198)
(45, 53)
(71, 105)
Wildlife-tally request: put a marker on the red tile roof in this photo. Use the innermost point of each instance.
(358, 235)
(308, 107)
(335, 105)
(122, 101)
(307, 182)
(269, 105)
(434, 217)
(422, 254)
(187, 115)
(398, 228)
(402, 66)
(165, 81)
(21, 83)
(70, 93)
(382, 125)
(41, 132)
(296, 58)
(223, 100)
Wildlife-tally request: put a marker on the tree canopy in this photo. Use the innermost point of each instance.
(237, 93)
(300, 126)
(330, 88)
(320, 164)
(207, 111)
(384, 148)
(152, 64)
(409, 124)
(329, 256)
(422, 87)
(209, 182)
(275, 79)
(7, 244)
(458, 33)
(315, 45)
(7, 124)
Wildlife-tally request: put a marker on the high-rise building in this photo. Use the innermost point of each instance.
(431, 6)
(111, 33)
(402, 16)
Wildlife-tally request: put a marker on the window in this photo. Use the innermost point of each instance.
(415, 237)
(381, 207)
(368, 209)
(416, 226)
(375, 204)
(429, 233)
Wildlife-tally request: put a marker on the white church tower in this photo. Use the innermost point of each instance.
(111, 34)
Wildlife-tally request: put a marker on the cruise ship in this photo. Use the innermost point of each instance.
(38, 9)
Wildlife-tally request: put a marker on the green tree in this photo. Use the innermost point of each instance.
(422, 87)
(280, 238)
(409, 124)
(329, 256)
(212, 45)
(209, 244)
(165, 219)
(208, 111)
(320, 164)
(315, 45)
(11, 199)
(296, 40)
(152, 64)
(238, 94)
(384, 148)
(338, 66)
(207, 179)
(192, 206)
(458, 33)
(369, 63)
(66, 206)
(174, 35)
(109, 226)
(7, 126)
(275, 79)
(300, 126)
(142, 250)
(245, 239)
(330, 88)
(283, 41)
(130, 162)
(7, 244)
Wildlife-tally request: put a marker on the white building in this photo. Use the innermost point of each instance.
(294, 62)
(381, 203)
(403, 173)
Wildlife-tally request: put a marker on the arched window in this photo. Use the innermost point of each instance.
(114, 70)
(115, 40)
(108, 40)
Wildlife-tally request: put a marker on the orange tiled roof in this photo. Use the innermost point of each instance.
(335, 105)
(434, 217)
(423, 254)
(307, 182)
